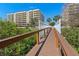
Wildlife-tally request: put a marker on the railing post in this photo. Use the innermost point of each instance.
(44, 33)
(47, 31)
(37, 37)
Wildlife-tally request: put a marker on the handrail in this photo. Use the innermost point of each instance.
(61, 43)
(65, 47)
(7, 41)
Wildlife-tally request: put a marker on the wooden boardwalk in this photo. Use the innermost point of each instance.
(53, 44)
(49, 48)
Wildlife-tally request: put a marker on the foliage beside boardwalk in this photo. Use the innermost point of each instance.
(72, 35)
(8, 29)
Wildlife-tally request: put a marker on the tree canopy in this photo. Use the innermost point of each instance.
(49, 20)
(56, 18)
(52, 23)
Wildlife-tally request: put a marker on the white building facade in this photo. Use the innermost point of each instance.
(22, 19)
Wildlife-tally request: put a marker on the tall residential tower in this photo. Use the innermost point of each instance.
(71, 10)
(23, 18)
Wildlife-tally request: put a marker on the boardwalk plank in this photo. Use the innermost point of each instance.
(49, 48)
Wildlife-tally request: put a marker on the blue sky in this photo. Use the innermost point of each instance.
(48, 9)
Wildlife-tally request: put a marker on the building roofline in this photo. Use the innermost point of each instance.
(36, 9)
(24, 11)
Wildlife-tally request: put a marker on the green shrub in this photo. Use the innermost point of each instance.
(72, 36)
(8, 29)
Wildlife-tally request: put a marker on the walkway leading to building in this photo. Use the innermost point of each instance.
(53, 43)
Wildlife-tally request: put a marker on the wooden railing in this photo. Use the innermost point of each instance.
(7, 41)
(65, 48)
(60, 42)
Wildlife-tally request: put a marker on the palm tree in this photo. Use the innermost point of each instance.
(49, 20)
(56, 18)
(52, 23)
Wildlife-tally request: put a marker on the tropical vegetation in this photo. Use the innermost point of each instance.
(8, 29)
(53, 21)
(72, 36)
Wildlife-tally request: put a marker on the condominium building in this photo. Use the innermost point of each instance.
(23, 18)
(69, 10)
